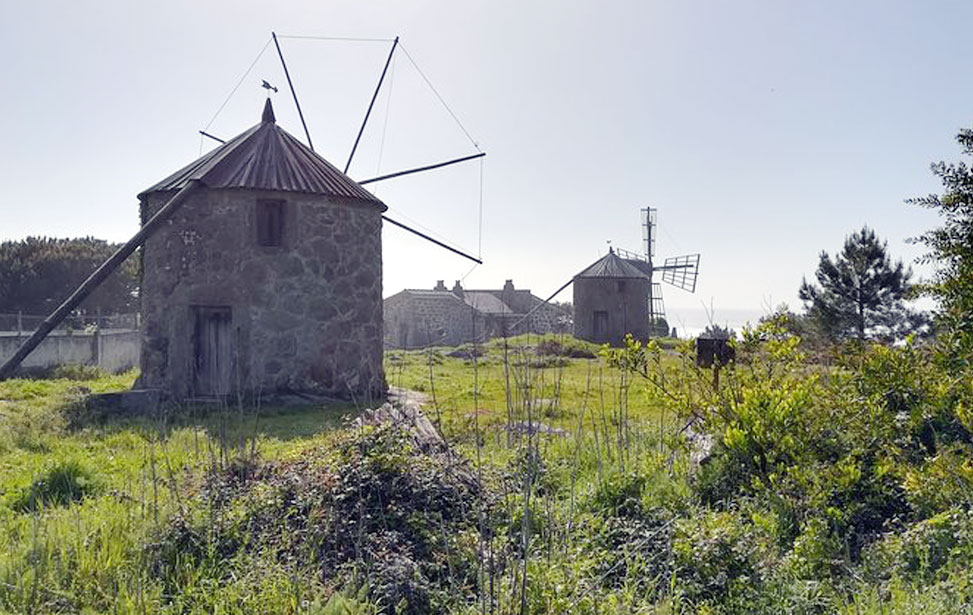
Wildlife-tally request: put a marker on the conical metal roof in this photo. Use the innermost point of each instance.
(267, 157)
(611, 266)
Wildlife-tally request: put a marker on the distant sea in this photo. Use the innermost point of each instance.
(690, 322)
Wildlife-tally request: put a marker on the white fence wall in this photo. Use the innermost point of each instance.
(111, 350)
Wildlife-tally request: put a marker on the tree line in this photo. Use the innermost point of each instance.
(38, 273)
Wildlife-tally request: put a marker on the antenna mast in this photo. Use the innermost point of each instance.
(649, 246)
(679, 271)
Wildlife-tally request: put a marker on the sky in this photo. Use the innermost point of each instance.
(763, 131)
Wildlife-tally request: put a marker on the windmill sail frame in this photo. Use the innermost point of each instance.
(681, 271)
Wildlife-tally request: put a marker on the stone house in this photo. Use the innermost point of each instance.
(415, 318)
(611, 299)
(268, 279)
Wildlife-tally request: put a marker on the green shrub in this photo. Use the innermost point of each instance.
(61, 484)
(718, 557)
(370, 510)
(924, 552)
(619, 495)
(571, 348)
(77, 372)
(635, 550)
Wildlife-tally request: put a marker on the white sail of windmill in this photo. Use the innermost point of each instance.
(679, 271)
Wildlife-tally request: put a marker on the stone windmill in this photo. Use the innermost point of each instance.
(269, 278)
(262, 271)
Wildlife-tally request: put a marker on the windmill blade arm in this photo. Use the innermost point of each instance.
(670, 267)
(433, 240)
(368, 113)
(429, 167)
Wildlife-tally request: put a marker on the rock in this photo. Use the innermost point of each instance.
(700, 447)
(137, 402)
(406, 414)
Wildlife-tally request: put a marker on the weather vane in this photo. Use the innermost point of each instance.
(268, 87)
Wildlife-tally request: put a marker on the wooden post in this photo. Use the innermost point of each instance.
(96, 347)
(96, 278)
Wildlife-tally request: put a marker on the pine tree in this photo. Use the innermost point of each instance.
(951, 250)
(861, 293)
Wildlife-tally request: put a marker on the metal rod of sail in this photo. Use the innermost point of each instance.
(293, 92)
(435, 241)
(206, 134)
(95, 279)
(430, 167)
(371, 104)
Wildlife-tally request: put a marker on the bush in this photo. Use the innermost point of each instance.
(574, 349)
(619, 495)
(77, 372)
(718, 558)
(61, 484)
(374, 512)
(635, 549)
(923, 550)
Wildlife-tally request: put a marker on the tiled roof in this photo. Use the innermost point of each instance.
(267, 157)
(432, 294)
(486, 302)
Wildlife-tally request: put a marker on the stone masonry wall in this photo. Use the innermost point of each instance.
(628, 309)
(416, 320)
(419, 318)
(306, 316)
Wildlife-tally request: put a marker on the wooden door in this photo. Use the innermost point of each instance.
(212, 351)
(600, 328)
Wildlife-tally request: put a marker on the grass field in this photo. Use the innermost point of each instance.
(571, 491)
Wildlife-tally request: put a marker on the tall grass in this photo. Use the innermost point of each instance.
(589, 502)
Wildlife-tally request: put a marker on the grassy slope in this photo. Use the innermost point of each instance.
(90, 555)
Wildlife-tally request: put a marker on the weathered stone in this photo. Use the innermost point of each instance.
(279, 321)
(254, 272)
(610, 302)
(291, 267)
(417, 318)
(290, 305)
(138, 402)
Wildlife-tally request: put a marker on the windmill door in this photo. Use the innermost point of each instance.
(600, 325)
(212, 351)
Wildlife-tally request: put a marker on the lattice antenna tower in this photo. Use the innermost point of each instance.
(679, 271)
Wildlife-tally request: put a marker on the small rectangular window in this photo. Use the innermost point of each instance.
(621, 286)
(270, 223)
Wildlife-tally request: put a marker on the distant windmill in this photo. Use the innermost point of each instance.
(678, 271)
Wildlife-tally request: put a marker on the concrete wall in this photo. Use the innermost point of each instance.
(306, 316)
(113, 351)
(626, 302)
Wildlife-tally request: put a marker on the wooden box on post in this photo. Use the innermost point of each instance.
(710, 352)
